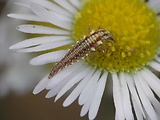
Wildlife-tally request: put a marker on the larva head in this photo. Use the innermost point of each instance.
(99, 37)
(104, 35)
(107, 35)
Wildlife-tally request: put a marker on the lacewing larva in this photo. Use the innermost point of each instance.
(81, 49)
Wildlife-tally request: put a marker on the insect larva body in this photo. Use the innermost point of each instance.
(81, 49)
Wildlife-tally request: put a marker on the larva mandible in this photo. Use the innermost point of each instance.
(81, 49)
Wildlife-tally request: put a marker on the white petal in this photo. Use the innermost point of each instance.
(41, 85)
(157, 59)
(22, 4)
(151, 80)
(38, 41)
(47, 15)
(154, 4)
(73, 81)
(134, 94)
(117, 95)
(48, 58)
(85, 109)
(137, 110)
(29, 17)
(89, 88)
(146, 87)
(37, 29)
(51, 6)
(155, 65)
(62, 17)
(98, 97)
(60, 76)
(44, 47)
(76, 3)
(145, 101)
(57, 14)
(87, 104)
(54, 91)
(77, 91)
(149, 93)
(126, 98)
(66, 5)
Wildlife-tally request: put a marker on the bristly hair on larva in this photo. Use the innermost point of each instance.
(82, 48)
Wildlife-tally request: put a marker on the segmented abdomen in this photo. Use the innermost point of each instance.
(80, 50)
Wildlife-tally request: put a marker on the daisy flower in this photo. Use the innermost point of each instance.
(132, 59)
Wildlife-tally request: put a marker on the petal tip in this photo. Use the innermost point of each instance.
(33, 62)
(9, 15)
(66, 103)
(55, 100)
(35, 92)
(47, 96)
(12, 47)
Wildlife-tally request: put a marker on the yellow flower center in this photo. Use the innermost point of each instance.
(134, 27)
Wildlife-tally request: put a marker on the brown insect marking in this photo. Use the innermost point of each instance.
(81, 49)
